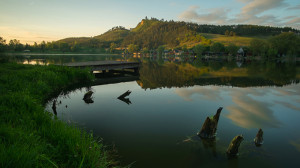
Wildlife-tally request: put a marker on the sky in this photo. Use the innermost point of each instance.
(36, 20)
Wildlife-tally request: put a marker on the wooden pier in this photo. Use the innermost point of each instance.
(106, 65)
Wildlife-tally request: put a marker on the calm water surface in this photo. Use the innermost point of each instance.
(171, 100)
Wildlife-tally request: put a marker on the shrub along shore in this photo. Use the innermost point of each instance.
(32, 137)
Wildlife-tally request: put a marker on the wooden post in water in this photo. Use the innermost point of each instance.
(234, 145)
(54, 107)
(259, 140)
(209, 128)
(88, 97)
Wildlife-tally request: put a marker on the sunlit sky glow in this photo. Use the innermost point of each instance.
(36, 20)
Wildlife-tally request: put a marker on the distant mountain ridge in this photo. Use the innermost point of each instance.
(151, 33)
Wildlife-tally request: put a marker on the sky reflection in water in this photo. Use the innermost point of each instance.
(170, 102)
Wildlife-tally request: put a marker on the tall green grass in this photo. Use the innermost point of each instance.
(29, 136)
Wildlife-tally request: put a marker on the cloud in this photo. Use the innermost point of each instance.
(256, 7)
(209, 93)
(216, 15)
(23, 35)
(249, 113)
(288, 105)
(291, 90)
(296, 144)
(295, 22)
(252, 12)
(297, 7)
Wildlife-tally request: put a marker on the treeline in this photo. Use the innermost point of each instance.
(68, 45)
(241, 30)
(280, 45)
(151, 34)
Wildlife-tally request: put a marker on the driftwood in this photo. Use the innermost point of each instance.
(54, 107)
(88, 97)
(126, 100)
(234, 145)
(259, 140)
(209, 128)
(127, 93)
(123, 97)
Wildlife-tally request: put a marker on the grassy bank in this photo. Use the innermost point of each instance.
(29, 136)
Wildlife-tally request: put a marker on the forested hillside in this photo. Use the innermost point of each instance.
(153, 33)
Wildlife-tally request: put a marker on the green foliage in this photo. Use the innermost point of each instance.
(2, 44)
(145, 50)
(15, 45)
(160, 50)
(199, 49)
(113, 47)
(232, 49)
(259, 47)
(115, 35)
(286, 43)
(133, 48)
(31, 137)
(217, 47)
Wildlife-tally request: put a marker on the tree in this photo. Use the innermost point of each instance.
(113, 47)
(94, 43)
(232, 49)
(184, 48)
(133, 48)
(74, 46)
(286, 43)
(145, 50)
(2, 44)
(160, 49)
(217, 47)
(258, 47)
(43, 46)
(64, 47)
(226, 33)
(199, 49)
(15, 45)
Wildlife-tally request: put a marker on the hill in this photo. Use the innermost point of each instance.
(152, 33)
(114, 35)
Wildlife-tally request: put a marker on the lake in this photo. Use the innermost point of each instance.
(157, 124)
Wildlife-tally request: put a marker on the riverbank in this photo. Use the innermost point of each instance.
(29, 136)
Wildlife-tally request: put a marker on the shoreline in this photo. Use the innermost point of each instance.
(33, 137)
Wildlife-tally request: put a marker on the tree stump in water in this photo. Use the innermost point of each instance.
(88, 97)
(234, 145)
(54, 107)
(209, 128)
(259, 140)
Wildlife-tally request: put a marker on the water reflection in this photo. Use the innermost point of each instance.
(170, 74)
(296, 144)
(206, 92)
(250, 113)
(125, 100)
(123, 97)
(288, 105)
